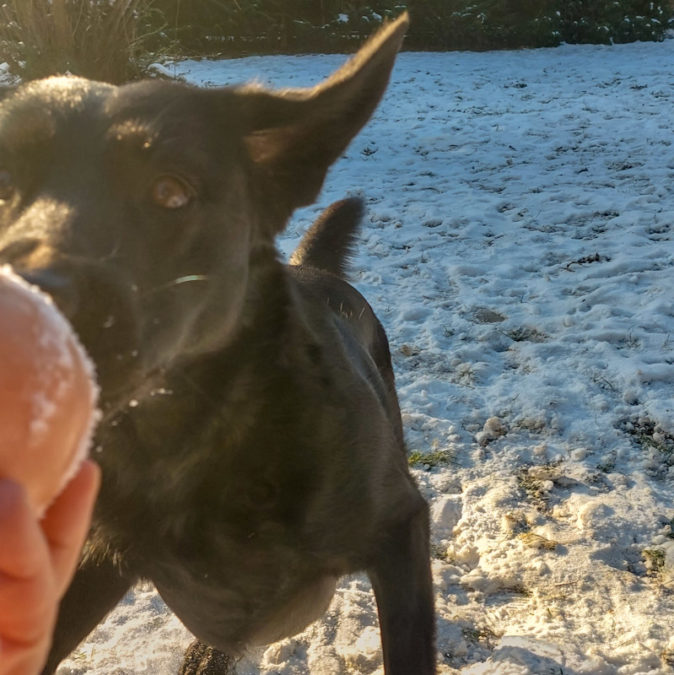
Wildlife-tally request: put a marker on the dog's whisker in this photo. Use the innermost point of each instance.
(114, 251)
(187, 279)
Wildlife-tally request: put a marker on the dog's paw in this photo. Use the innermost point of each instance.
(200, 659)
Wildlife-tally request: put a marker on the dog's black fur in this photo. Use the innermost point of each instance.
(251, 440)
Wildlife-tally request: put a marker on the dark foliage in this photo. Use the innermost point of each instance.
(483, 24)
(246, 26)
(611, 21)
(116, 40)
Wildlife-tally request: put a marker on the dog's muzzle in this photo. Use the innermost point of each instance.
(101, 308)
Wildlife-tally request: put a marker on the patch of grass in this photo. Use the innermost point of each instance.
(81, 656)
(409, 350)
(464, 374)
(532, 486)
(587, 260)
(514, 524)
(665, 445)
(526, 334)
(439, 552)
(645, 432)
(534, 425)
(532, 540)
(486, 315)
(670, 534)
(100, 39)
(608, 465)
(481, 635)
(603, 382)
(520, 589)
(430, 460)
(534, 481)
(668, 657)
(654, 558)
(656, 444)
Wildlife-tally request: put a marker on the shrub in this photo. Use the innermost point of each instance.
(99, 39)
(482, 24)
(110, 39)
(611, 21)
(254, 26)
(245, 26)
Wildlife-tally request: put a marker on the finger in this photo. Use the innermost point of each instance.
(67, 521)
(20, 658)
(23, 553)
(27, 608)
(27, 593)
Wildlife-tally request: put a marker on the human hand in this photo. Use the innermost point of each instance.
(37, 562)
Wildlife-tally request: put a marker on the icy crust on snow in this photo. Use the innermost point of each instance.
(518, 249)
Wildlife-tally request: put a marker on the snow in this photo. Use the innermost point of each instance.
(518, 248)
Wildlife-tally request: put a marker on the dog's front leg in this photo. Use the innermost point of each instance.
(401, 578)
(97, 587)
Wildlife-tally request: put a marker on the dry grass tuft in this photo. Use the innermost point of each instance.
(99, 39)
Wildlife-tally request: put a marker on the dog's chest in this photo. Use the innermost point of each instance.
(214, 513)
(190, 460)
(210, 509)
(235, 500)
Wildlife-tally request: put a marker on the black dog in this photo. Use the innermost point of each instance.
(251, 441)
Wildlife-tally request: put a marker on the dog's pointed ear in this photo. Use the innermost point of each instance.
(293, 136)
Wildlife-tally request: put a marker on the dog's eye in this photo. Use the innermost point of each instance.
(7, 186)
(171, 193)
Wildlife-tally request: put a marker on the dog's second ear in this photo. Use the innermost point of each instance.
(294, 136)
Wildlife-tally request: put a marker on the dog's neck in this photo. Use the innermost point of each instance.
(206, 405)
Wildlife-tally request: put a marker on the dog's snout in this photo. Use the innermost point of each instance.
(56, 284)
(38, 265)
(18, 250)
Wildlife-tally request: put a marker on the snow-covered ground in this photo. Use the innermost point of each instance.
(518, 248)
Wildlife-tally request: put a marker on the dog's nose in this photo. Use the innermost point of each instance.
(53, 282)
(38, 266)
